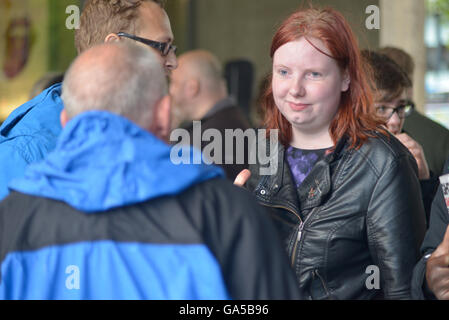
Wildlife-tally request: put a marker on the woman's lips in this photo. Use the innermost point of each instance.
(298, 106)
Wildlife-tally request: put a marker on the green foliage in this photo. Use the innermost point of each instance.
(439, 6)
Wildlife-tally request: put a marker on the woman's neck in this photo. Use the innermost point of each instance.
(311, 141)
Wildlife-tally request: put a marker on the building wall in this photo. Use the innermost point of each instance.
(402, 26)
(22, 49)
(235, 29)
(50, 47)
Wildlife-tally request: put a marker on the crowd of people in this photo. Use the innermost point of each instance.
(93, 207)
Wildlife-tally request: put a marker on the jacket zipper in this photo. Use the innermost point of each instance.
(298, 238)
(282, 207)
(301, 227)
(296, 244)
(300, 224)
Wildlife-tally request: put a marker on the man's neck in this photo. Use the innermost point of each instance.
(204, 106)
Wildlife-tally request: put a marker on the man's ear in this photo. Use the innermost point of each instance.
(346, 81)
(161, 122)
(63, 118)
(192, 88)
(112, 37)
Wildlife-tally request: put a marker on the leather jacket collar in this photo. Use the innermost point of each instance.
(279, 189)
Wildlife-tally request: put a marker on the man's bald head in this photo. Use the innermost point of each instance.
(204, 66)
(122, 78)
(197, 84)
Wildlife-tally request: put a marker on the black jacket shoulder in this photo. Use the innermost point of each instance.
(216, 213)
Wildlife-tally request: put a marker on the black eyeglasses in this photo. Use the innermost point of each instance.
(403, 110)
(163, 47)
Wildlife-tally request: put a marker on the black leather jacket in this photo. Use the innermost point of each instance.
(356, 208)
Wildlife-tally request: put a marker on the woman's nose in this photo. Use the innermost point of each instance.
(297, 88)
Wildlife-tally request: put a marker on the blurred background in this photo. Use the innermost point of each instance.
(34, 40)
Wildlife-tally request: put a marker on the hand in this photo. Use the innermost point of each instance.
(242, 177)
(417, 152)
(437, 269)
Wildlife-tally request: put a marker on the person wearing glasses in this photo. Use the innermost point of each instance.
(393, 106)
(164, 48)
(31, 130)
(432, 136)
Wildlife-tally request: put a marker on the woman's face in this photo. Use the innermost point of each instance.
(307, 85)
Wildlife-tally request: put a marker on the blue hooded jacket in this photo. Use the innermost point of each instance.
(28, 134)
(103, 161)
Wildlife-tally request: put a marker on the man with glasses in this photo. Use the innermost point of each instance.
(164, 48)
(404, 109)
(390, 86)
(432, 136)
(31, 130)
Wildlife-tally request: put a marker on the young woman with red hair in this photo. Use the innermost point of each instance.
(345, 196)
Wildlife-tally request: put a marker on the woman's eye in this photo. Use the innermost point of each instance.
(314, 75)
(283, 72)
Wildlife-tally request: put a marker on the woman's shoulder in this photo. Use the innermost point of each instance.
(385, 143)
(383, 150)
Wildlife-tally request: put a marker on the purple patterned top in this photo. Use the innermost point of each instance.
(302, 161)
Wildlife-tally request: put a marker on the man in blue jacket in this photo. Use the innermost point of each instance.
(108, 215)
(31, 130)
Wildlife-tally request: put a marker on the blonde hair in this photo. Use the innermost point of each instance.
(102, 17)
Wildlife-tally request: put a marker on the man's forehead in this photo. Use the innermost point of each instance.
(154, 23)
(384, 97)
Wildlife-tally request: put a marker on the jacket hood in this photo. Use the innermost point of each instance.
(103, 160)
(40, 114)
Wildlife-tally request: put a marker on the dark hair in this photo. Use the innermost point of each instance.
(386, 75)
(45, 82)
(354, 117)
(402, 58)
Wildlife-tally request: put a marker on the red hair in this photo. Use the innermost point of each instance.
(355, 117)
